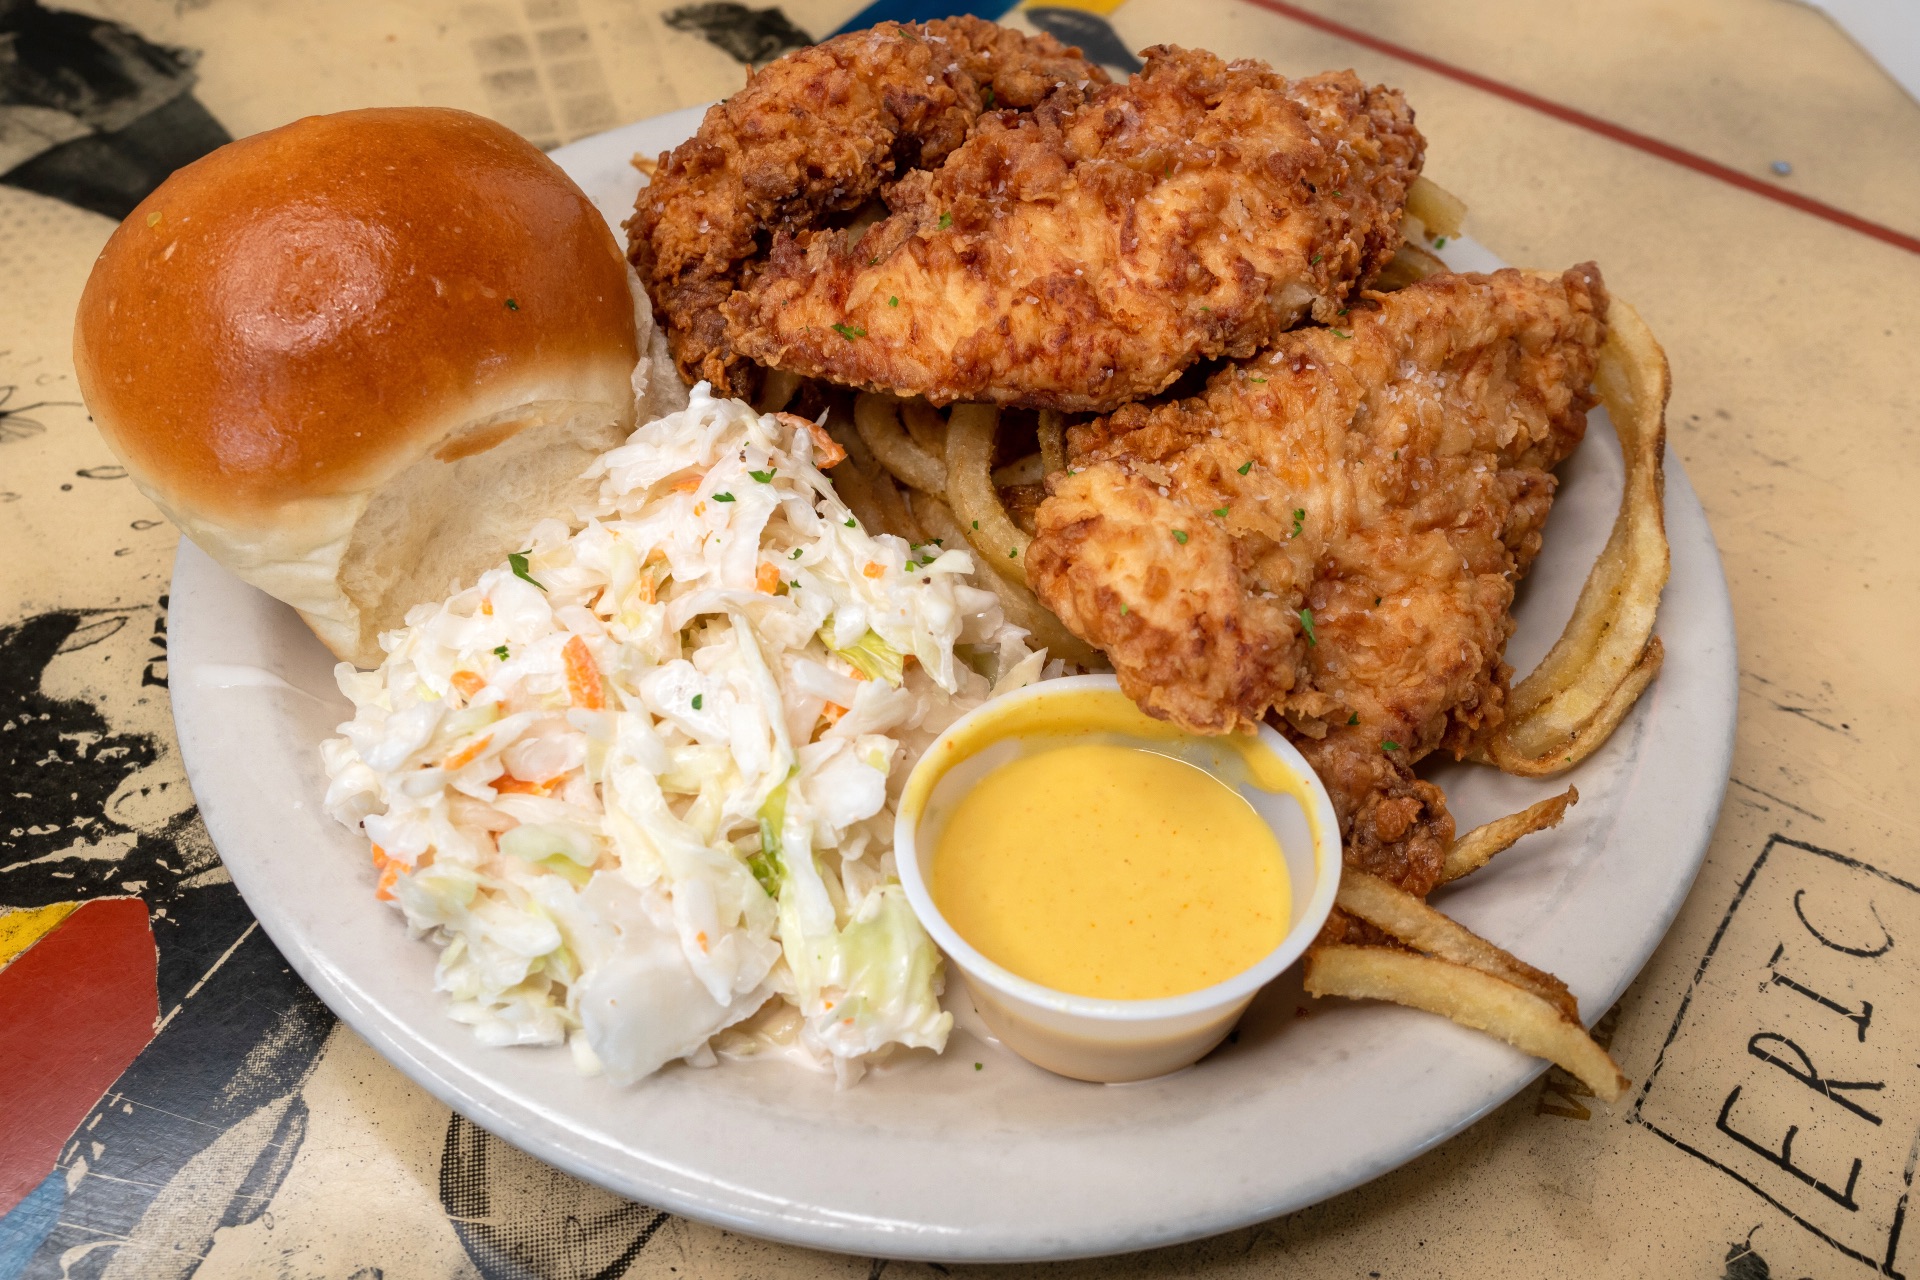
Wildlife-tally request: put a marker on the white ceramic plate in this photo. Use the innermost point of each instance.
(934, 1158)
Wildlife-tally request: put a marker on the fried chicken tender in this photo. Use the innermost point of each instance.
(1082, 255)
(1333, 530)
(817, 133)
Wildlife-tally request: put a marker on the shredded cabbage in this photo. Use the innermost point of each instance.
(638, 782)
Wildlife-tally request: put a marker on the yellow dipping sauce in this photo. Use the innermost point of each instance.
(1107, 869)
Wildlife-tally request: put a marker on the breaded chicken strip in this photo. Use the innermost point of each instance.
(1334, 530)
(816, 133)
(1080, 256)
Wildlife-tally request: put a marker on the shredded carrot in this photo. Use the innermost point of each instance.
(826, 450)
(469, 683)
(390, 869)
(486, 606)
(467, 754)
(874, 569)
(699, 508)
(508, 785)
(832, 712)
(687, 484)
(648, 589)
(701, 938)
(584, 686)
(766, 578)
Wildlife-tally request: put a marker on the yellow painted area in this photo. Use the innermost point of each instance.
(1112, 871)
(22, 928)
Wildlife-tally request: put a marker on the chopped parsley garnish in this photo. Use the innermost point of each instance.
(979, 1066)
(1354, 718)
(764, 477)
(852, 523)
(723, 497)
(1013, 553)
(986, 96)
(873, 261)
(1340, 333)
(1222, 511)
(1342, 311)
(1256, 379)
(500, 652)
(849, 331)
(1306, 625)
(794, 585)
(698, 698)
(946, 220)
(1206, 308)
(795, 555)
(1123, 610)
(1299, 521)
(1180, 536)
(517, 561)
(512, 305)
(1440, 242)
(1245, 466)
(1388, 744)
(893, 302)
(976, 524)
(1314, 261)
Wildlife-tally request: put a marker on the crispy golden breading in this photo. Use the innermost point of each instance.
(817, 133)
(1333, 530)
(1081, 255)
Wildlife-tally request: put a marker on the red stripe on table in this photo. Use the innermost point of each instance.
(75, 1008)
(1605, 128)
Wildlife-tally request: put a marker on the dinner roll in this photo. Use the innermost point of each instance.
(357, 357)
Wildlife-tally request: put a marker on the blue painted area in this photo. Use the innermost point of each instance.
(919, 11)
(22, 1230)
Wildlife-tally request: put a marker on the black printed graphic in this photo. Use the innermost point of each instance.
(199, 1129)
(93, 113)
(1783, 1068)
(750, 36)
(519, 1217)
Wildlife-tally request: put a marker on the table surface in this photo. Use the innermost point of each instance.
(173, 1102)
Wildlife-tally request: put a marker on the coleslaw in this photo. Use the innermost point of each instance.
(638, 782)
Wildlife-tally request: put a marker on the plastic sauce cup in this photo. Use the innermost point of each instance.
(1087, 1037)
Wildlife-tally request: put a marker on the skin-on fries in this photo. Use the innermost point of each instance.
(1469, 997)
(1393, 910)
(877, 418)
(1473, 850)
(970, 491)
(1608, 654)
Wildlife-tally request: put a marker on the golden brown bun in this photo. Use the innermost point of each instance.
(355, 358)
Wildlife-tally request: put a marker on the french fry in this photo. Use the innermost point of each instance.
(867, 489)
(1052, 432)
(1439, 210)
(1607, 654)
(1476, 848)
(970, 491)
(777, 389)
(877, 418)
(1410, 264)
(1392, 909)
(926, 426)
(1031, 469)
(1470, 998)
